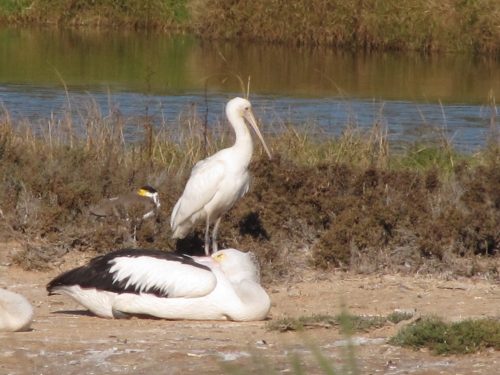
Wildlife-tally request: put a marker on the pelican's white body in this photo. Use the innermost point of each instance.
(217, 182)
(242, 301)
(228, 289)
(16, 313)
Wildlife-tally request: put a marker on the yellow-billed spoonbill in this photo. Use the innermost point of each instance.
(218, 181)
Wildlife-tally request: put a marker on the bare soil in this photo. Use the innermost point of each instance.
(65, 339)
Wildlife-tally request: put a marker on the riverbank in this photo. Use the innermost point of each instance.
(426, 26)
(345, 202)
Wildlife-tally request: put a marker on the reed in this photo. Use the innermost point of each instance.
(396, 25)
(420, 25)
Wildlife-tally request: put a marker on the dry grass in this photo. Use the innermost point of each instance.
(398, 25)
(346, 202)
(422, 25)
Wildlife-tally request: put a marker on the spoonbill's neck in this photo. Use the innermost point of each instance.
(243, 143)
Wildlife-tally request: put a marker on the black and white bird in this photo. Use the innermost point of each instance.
(225, 286)
(16, 313)
(217, 182)
(133, 207)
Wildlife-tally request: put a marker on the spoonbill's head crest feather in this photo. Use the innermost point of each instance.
(237, 265)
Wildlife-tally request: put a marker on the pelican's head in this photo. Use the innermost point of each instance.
(237, 265)
(243, 108)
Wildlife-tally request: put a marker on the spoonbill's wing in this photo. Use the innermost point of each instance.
(201, 187)
(141, 271)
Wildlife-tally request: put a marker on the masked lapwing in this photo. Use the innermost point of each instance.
(133, 207)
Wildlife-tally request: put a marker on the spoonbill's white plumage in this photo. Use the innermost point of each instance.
(170, 286)
(218, 181)
(16, 313)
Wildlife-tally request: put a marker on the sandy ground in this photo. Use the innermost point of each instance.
(66, 340)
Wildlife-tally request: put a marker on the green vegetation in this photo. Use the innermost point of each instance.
(399, 316)
(351, 201)
(464, 337)
(107, 13)
(449, 25)
(14, 8)
(348, 322)
(468, 336)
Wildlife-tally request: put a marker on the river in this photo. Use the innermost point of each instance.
(44, 73)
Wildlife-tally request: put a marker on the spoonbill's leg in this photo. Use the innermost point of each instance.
(207, 237)
(214, 235)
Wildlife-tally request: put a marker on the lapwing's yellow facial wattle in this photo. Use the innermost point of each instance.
(143, 193)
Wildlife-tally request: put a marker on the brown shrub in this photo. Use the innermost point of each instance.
(362, 216)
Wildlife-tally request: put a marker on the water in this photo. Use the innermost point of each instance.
(47, 72)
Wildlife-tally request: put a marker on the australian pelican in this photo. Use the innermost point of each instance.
(166, 285)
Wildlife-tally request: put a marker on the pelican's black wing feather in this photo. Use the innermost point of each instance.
(97, 273)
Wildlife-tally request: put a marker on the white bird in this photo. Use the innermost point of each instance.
(218, 181)
(169, 286)
(16, 313)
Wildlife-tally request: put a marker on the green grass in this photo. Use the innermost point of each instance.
(115, 13)
(13, 7)
(399, 316)
(464, 337)
(348, 322)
